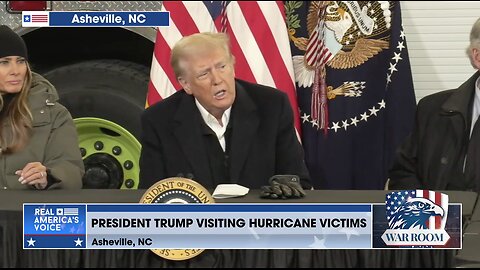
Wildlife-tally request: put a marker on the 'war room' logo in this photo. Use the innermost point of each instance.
(416, 218)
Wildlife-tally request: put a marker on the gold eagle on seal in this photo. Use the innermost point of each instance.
(354, 31)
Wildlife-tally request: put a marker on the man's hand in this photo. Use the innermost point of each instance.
(283, 187)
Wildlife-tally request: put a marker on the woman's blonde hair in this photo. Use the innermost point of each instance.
(16, 115)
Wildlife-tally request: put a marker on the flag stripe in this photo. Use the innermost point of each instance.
(445, 208)
(438, 201)
(281, 7)
(435, 222)
(431, 219)
(281, 37)
(162, 79)
(223, 17)
(171, 34)
(283, 70)
(273, 47)
(424, 194)
(242, 69)
(254, 56)
(180, 14)
(266, 43)
(152, 96)
(201, 17)
(163, 58)
(312, 48)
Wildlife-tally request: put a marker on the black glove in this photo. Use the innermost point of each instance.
(283, 187)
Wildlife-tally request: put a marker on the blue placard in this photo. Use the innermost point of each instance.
(54, 225)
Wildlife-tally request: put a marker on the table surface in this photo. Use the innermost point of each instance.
(13, 199)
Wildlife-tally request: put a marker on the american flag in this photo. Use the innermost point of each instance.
(70, 211)
(35, 18)
(317, 52)
(39, 18)
(395, 200)
(258, 36)
(317, 55)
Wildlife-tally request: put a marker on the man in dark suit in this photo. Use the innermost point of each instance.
(443, 152)
(218, 129)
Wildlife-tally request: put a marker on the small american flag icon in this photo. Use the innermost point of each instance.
(39, 18)
(70, 211)
(35, 18)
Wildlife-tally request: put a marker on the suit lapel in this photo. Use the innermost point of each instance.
(245, 125)
(459, 103)
(189, 136)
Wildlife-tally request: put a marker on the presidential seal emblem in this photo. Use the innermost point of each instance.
(343, 38)
(177, 190)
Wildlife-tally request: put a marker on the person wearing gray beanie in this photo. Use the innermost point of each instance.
(38, 139)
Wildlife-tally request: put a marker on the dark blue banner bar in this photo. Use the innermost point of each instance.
(229, 208)
(52, 241)
(109, 19)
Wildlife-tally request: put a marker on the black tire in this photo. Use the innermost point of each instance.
(114, 90)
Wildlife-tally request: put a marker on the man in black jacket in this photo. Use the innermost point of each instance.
(443, 151)
(218, 129)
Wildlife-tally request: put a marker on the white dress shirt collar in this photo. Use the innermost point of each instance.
(213, 123)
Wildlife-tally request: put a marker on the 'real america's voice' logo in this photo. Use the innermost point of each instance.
(416, 218)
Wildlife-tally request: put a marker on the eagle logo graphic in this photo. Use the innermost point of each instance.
(414, 214)
(416, 218)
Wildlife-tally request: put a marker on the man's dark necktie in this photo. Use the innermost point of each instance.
(472, 165)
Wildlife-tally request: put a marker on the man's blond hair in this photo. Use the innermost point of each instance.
(205, 40)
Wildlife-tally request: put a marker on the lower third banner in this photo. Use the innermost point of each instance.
(219, 226)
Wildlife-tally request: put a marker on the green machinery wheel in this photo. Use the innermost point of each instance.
(110, 154)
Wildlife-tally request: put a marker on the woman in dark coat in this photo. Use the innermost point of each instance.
(38, 139)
